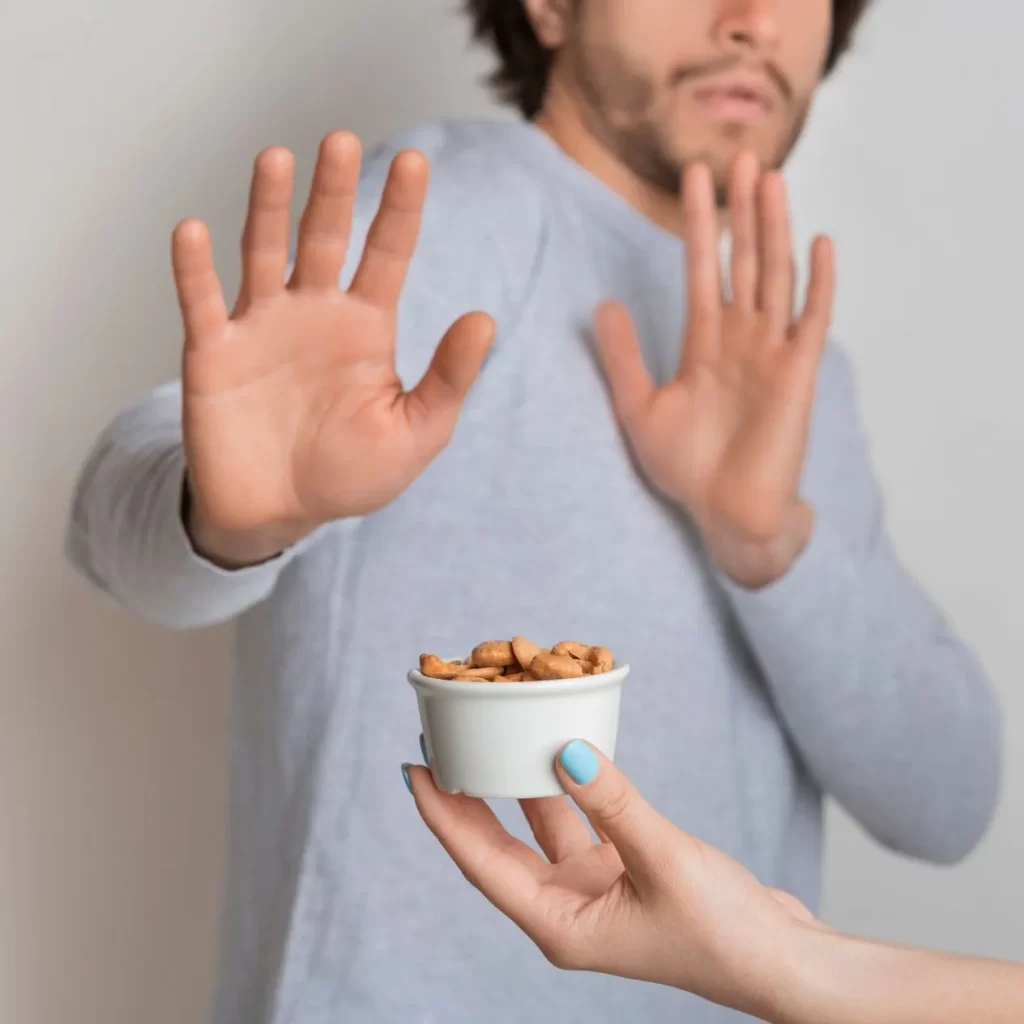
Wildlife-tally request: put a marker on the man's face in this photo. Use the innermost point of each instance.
(664, 83)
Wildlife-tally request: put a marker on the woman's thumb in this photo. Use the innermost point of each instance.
(615, 809)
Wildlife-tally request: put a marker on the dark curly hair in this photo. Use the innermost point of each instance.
(522, 74)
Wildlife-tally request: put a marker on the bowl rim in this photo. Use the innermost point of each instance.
(531, 688)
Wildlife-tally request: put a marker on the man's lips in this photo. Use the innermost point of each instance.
(747, 98)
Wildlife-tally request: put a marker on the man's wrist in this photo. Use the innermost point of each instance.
(233, 549)
(755, 562)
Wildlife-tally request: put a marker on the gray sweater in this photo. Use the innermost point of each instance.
(742, 709)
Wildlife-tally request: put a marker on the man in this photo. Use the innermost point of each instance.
(617, 447)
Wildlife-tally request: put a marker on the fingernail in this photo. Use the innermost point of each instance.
(405, 775)
(423, 750)
(580, 762)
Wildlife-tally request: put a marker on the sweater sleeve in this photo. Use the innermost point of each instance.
(126, 534)
(890, 710)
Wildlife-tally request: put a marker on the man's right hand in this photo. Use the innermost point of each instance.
(293, 411)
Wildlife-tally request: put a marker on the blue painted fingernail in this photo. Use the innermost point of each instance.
(580, 762)
(405, 775)
(423, 749)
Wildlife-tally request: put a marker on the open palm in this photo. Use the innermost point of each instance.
(727, 436)
(293, 411)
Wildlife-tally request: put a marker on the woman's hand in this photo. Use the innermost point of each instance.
(646, 901)
(649, 902)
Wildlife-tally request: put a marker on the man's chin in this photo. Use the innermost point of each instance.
(719, 144)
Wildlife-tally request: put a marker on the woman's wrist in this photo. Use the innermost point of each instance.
(811, 977)
(760, 970)
(785, 989)
(852, 980)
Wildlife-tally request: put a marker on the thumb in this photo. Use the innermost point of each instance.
(618, 350)
(644, 839)
(433, 405)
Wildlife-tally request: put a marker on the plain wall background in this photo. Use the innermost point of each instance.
(120, 118)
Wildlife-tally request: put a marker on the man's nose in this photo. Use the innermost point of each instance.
(748, 25)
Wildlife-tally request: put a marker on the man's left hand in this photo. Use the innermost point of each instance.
(726, 438)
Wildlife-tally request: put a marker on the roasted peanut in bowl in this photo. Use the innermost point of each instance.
(494, 722)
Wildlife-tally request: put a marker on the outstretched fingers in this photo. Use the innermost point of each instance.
(812, 328)
(743, 228)
(391, 240)
(200, 296)
(778, 275)
(266, 235)
(327, 220)
(703, 271)
(618, 351)
(433, 405)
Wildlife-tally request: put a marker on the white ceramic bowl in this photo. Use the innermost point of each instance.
(499, 740)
